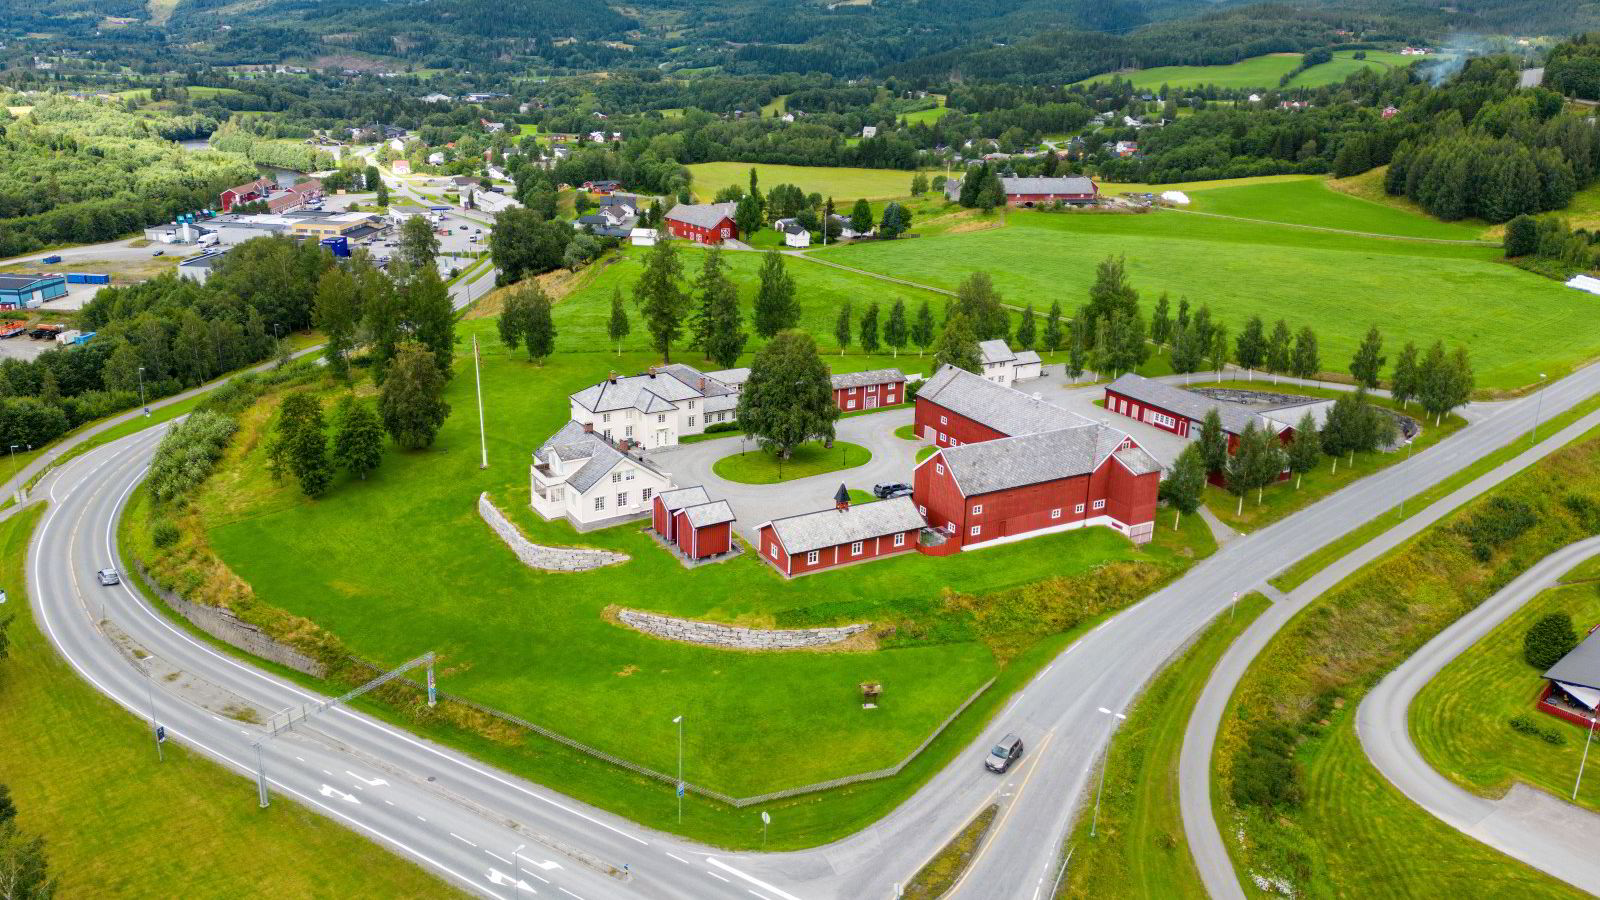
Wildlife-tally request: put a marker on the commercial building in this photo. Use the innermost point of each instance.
(199, 268)
(21, 291)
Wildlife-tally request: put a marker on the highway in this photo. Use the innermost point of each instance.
(1502, 424)
(1542, 830)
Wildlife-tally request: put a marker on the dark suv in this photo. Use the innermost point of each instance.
(1008, 751)
(890, 491)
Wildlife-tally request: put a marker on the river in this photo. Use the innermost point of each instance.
(284, 177)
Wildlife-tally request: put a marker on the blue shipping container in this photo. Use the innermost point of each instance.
(340, 246)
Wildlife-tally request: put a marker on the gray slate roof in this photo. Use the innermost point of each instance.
(734, 378)
(1581, 666)
(1137, 460)
(1027, 357)
(713, 513)
(702, 215)
(1145, 391)
(995, 351)
(572, 443)
(872, 376)
(1012, 462)
(675, 500)
(650, 393)
(831, 527)
(1008, 411)
(1070, 184)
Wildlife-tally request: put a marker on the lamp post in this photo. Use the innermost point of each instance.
(1538, 407)
(1409, 445)
(679, 722)
(516, 860)
(141, 391)
(1095, 822)
(14, 457)
(1585, 760)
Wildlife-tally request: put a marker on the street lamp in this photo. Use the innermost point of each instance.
(1095, 822)
(141, 391)
(1538, 407)
(1585, 759)
(679, 722)
(14, 458)
(516, 859)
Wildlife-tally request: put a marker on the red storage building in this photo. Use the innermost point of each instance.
(705, 529)
(666, 506)
(1050, 481)
(1045, 191)
(869, 390)
(706, 223)
(810, 542)
(956, 407)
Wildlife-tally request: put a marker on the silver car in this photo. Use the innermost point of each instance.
(108, 577)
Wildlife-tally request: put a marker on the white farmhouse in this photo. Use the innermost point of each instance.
(653, 410)
(1003, 366)
(580, 476)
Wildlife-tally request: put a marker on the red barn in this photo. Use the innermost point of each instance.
(1007, 489)
(666, 506)
(705, 529)
(245, 193)
(1045, 191)
(869, 390)
(956, 407)
(809, 542)
(706, 223)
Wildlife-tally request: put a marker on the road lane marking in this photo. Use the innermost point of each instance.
(994, 833)
(570, 894)
(718, 877)
(532, 862)
(750, 878)
(463, 840)
(330, 791)
(499, 857)
(678, 858)
(369, 782)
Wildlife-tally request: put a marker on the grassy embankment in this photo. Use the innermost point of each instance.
(83, 775)
(1139, 848)
(1336, 826)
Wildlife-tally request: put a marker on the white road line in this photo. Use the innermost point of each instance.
(421, 819)
(531, 862)
(299, 759)
(762, 896)
(499, 857)
(460, 838)
(569, 893)
(750, 878)
(678, 858)
(390, 802)
(718, 877)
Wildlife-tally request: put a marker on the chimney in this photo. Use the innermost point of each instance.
(841, 499)
(588, 428)
(612, 377)
(702, 384)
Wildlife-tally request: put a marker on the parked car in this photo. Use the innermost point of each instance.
(890, 491)
(51, 260)
(108, 577)
(1008, 751)
(159, 253)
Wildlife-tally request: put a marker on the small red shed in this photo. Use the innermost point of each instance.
(705, 529)
(664, 509)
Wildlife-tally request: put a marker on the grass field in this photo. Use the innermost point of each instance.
(1259, 71)
(756, 466)
(843, 183)
(116, 822)
(1311, 202)
(1139, 849)
(1516, 324)
(1459, 720)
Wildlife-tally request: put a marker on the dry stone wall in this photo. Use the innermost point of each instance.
(733, 637)
(538, 556)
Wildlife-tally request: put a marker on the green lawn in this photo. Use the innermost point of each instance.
(84, 776)
(843, 183)
(1259, 71)
(926, 452)
(907, 432)
(756, 466)
(1139, 849)
(1516, 324)
(531, 643)
(775, 107)
(1310, 202)
(1459, 720)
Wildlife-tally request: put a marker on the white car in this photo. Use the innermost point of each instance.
(108, 577)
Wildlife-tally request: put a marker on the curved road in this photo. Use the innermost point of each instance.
(1501, 424)
(1538, 828)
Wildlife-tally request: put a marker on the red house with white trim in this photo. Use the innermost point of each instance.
(705, 223)
(811, 542)
(246, 193)
(869, 390)
(667, 505)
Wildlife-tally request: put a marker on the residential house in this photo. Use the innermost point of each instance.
(436, 158)
(602, 188)
(248, 192)
(794, 234)
(1572, 686)
(1004, 366)
(869, 131)
(400, 167)
(810, 542)
(652, 410)
(583, 477)
(869, 390)
(706, 223)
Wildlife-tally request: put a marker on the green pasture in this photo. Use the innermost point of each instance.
(844, 184)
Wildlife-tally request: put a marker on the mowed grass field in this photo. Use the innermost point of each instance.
(843, 183)
(116, 822)
(1258, 71)
(1311, 202)
(1515, 324)
(1460, 719)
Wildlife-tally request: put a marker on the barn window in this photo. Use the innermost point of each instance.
(977, 509)
(1099, 504)
(1078, 508)
(1055, 513)
(938, 468)
(812, 557)
(855, 549)
(773, 551)
(900, 539)
(944, 420)
(975, 530)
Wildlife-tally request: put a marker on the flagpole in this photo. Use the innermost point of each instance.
(483, 437)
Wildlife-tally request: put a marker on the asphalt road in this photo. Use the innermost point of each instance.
(453, 822)
(1496, 426)
(1540, 829)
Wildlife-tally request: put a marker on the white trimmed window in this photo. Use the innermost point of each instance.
(605, 417)
(1055, 513)
(661, 419)
(600, 502)
(977, 509)
(616, 477)
(627, 432)
(773, 551)
(944, 420)
(950, 527)
(1099, 504)
(938, 468)
(628, 475)
(645, 496)
(812, 557)
(922, 510)
(849, 404)
(900, 539)
(691, 421)
(691, 405)
(1078, 508)
(622, 499)
(855, 549)
(975, 530)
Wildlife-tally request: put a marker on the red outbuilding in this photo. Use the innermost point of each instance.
(704, 530)
(1010, 488)
(666, 506)
(245, 193)
(956, 407)
(1047, 191)
(810, 542)
(869, 390)
(706, 223)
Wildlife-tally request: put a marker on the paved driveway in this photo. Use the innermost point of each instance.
(892, 460)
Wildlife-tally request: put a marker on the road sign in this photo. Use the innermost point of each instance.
(161, 734)
(433, 692)
(766, 818)
(680, 789)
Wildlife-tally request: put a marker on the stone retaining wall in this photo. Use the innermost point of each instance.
(538, 556)
(223, 625)
(732, 637)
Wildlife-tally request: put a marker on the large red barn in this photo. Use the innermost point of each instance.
(706, 223)
(956, 407)
(810, 542)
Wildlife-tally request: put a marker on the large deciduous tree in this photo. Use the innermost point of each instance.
(661, 298)
(958, 345)
(788, 398)
(1368, 361)
(776, 307)
(358, 438)
(412, 401)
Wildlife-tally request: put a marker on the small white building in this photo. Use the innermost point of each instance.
(1003, 366)
(493, 201)
(794, 234)
(580, 476)
(436, 158)
(642, 237)
(869, 131)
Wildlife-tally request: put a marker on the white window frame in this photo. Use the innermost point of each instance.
(977, 509)
(1099, 504)
(855, 549)
(938, 468)
(622, 499)
(900, 539)
(605, 417)
(600, 502)
(691, 421)
(645, 496)
(1055, 513)
(661, 418)
(773, 550)
(813, 557)
(1078, 509)
(975, 530)
(944, 420)
(616, 477)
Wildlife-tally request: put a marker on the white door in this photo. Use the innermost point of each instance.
(872, 402)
